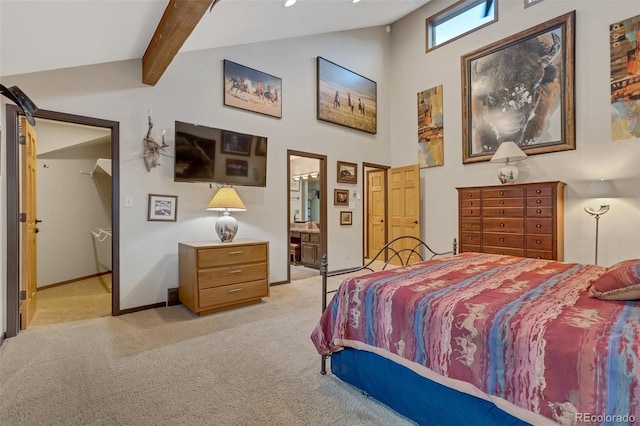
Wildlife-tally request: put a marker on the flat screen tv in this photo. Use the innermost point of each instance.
(207, 154)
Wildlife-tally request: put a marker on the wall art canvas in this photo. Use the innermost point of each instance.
(346, 98)
(521, 89)
(624, 37)
(252, 90)
(430, 128)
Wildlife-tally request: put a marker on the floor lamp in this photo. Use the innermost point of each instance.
(599, 189)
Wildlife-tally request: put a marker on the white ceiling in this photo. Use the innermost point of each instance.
(39, 35)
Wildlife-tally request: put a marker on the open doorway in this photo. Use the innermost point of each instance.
(56, 159)
(306, 213)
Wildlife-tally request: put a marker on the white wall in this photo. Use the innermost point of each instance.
(191, 90)
(71, 205)
(596, 156)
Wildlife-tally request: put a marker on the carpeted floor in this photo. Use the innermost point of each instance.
(249, 366)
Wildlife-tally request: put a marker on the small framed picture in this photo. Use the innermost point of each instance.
(346, 217)
(236, 143)
(340, 197)
(163, 208)
(347, 172)
(237, 167)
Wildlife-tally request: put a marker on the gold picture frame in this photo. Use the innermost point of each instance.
(346, 217)
(521, 89)
(340, 197)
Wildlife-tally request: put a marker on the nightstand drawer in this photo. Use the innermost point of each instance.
(540, 191)
(540, 254)
(228, 294)
(470, 211)
(503, 202)
(539, 202)
(225, 256)
(231, 274)
(540, 212)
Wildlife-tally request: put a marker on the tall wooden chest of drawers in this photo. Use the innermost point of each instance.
(218, 276)
(524, 220)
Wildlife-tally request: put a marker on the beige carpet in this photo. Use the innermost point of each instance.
(79, 300)
(250, 366)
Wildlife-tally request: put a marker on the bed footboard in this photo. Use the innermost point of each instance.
(405, 256)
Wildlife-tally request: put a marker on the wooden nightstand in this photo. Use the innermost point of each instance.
(219, 276)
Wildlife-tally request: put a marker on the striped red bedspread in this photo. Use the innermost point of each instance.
(524, 330)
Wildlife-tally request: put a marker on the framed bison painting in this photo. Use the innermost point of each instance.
(346, 98)
(521, 89)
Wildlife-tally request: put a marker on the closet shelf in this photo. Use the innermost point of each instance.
(102, 164)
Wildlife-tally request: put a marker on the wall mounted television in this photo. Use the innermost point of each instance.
(207, 154)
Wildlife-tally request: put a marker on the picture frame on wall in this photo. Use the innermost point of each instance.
(252, 90)
(346, 98)
(236, 167)
(163, 208)
(347, 172)
(236, 143)
(346, 217)
(294, 186)
(340, 197)
(521, 89)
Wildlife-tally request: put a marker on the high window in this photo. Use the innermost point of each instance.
(461, 18)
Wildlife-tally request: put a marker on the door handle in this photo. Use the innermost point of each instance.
(38, 220)
(415, 222)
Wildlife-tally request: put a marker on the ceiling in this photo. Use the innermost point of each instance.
(52, 34)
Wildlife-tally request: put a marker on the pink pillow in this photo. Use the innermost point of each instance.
(620, 282)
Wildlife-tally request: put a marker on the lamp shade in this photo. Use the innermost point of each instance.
(226, 200)
(508, 152)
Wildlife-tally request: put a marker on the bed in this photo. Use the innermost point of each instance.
(490, 339)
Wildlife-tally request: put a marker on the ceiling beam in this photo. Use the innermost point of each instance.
(178, 21)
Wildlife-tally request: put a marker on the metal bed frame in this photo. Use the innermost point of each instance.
(405, 256)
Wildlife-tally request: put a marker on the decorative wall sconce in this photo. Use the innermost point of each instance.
(152, 149)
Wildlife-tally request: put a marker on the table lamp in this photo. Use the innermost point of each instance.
(508, 152)
(226, 200)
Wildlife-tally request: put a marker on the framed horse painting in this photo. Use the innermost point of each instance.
(252, 90)
(346, 98)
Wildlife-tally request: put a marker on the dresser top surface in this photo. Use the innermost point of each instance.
(557, 183)
(235, 242)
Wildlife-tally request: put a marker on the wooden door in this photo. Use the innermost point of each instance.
(404, 207)
(377, 192)
(28, 280)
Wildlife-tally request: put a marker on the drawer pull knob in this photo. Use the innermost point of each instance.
(501, 201)
(470, 211)
(502, 225)
(234, 290)
(237, 271)
(538, 225)
(235, 252)
(502, 240)
(501, 192)
(538, 242)
(470, 224)
(538, 257)
(501, 211)
(470, 203)
(470, 238)
(538, 191)
(470, 194)
(538, 211)
(538, 201)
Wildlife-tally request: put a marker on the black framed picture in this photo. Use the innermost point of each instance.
(252, 90)
(346, 98)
